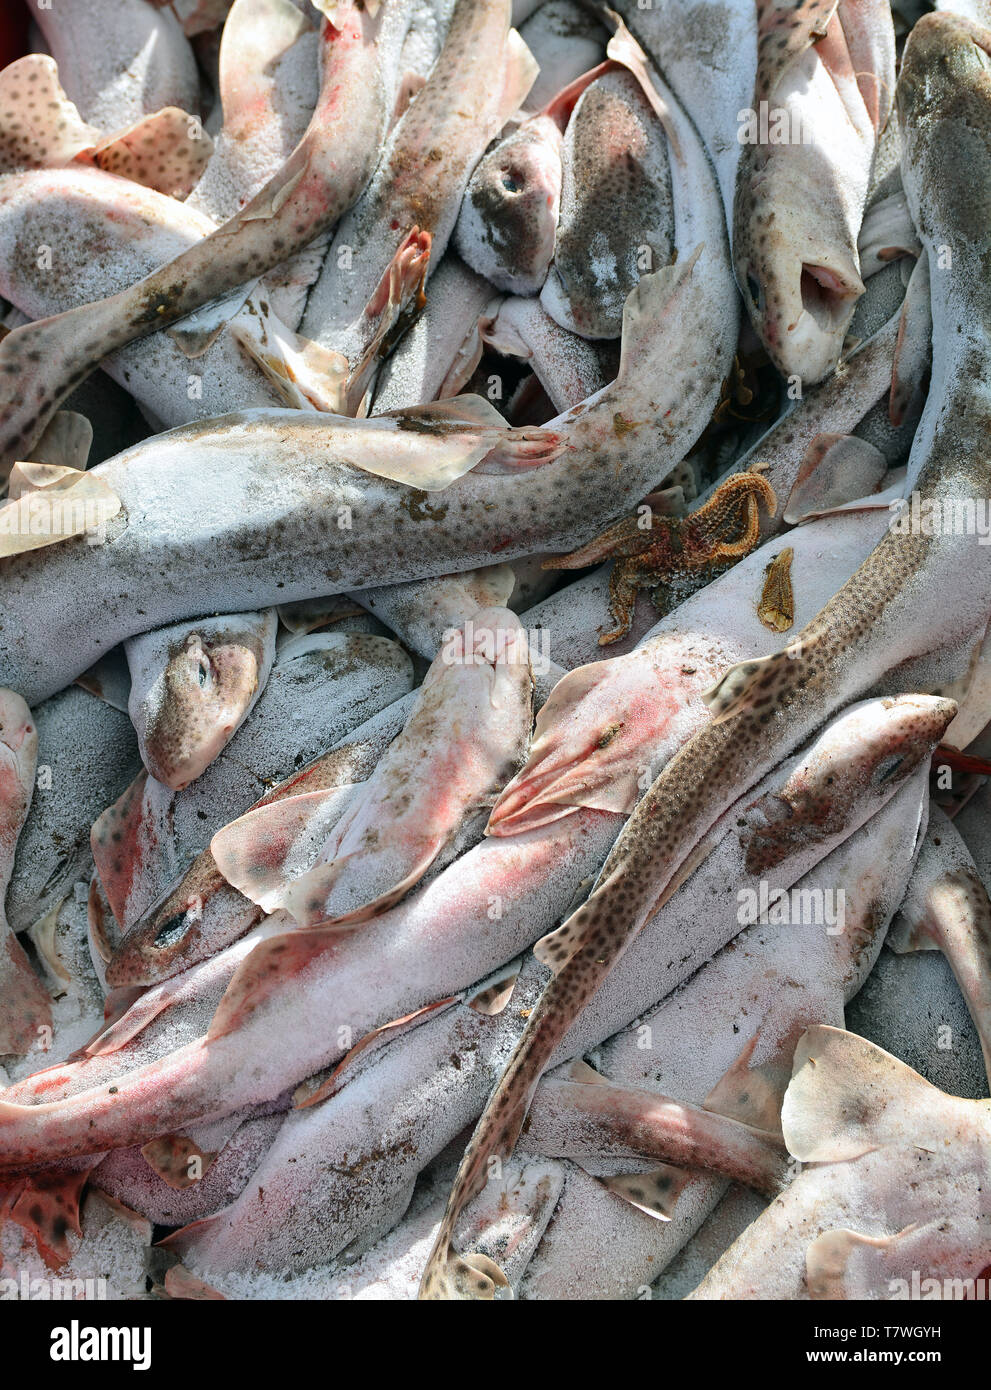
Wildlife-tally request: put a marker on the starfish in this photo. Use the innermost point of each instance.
(650, 550)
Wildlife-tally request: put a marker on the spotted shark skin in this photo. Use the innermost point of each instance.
(323, 176)
(794, 206)
(25, 1008)
(725, 1038)
(189, 542)
(479, 80)
(880, 618)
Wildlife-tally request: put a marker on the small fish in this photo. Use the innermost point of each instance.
(307, 196)
(201, 914)
(825, 80)
(25, 1008)
(616, 218)
(466, 734)
(192, 686)
(295, 547)
(321, 687)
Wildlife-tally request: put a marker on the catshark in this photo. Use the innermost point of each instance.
(279, 505)
(880, 619)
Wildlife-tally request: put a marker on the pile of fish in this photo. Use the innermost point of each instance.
(495, 648)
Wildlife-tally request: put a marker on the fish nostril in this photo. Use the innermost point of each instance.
(889, 767)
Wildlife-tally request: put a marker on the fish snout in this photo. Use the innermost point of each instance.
(16, 721)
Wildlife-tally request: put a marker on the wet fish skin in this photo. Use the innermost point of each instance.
(880, 618)
(800, 202)
(892, 1169)
(728, 1033)
(325, 173)
(193, 686)
(466, 734)
(616, 214)
(482, 74)
(120, 59)
(25, 1007)
(202, 914)
(188, 545)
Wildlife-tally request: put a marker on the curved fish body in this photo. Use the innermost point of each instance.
(121, 232)
(318, 691)
(892, 1175)
(467, 732)
(323, 176)
(120, 59)
(725, 1038)
(267, 78)
(477, 914)
(790, 103)
(882, 617)
(707, 53)
(25, 1008)
(257, 509)
(823, 93)
(202, 914)
(479, 80)
(192, 686)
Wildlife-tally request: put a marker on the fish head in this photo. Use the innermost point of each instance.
(209, 684)
(18, 748)
(800, 300)
(943, 100)
(852, 768)
(509, 216)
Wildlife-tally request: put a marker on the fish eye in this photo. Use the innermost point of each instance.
(511, 182)
(753, 289)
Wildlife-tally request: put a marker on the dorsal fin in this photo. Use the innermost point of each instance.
(654, 1193)
(167, 151)
(40, 128)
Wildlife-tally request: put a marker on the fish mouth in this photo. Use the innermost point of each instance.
(828, 297)
(807, 340)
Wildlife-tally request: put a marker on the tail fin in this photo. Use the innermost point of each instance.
(462, 1277)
